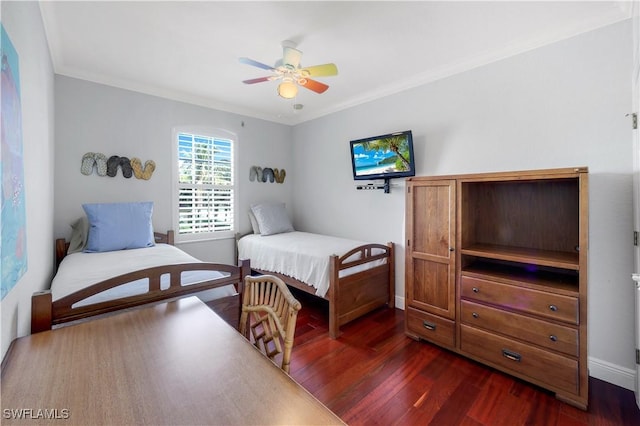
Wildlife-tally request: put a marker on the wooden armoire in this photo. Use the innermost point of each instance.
(496, 270)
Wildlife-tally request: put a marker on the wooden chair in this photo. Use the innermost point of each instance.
(269, 310)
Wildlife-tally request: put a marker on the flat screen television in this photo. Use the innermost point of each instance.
(383, 157)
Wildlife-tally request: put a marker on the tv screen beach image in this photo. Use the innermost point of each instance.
(385, 155)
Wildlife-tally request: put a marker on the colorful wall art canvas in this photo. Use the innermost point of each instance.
(13, 221)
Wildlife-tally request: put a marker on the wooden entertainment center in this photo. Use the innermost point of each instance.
(496, 270)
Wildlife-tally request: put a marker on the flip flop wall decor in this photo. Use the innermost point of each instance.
(91, 160)
(109, 167)
(266, 174)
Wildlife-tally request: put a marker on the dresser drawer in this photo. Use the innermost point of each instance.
(542, 333)
(431, 327)
(548, 305)
(543, 366)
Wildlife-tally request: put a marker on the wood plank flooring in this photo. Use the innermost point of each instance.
(375, 375)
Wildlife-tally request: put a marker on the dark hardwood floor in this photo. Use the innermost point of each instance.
(375, 375)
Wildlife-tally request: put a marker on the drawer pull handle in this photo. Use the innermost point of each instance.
(475, 315)
(553, 308)
(429, 325)
(513, 356)
(476, 290)
(553, 338)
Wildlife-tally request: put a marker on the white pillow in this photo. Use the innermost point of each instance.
(254, 222)
(79, 235)
(272, 218)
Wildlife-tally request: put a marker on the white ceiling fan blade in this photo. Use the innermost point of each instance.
(291, 57)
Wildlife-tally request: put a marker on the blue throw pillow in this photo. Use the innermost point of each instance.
(119, 226)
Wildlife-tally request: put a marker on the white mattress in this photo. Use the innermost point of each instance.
(301, 255)
(80, 270)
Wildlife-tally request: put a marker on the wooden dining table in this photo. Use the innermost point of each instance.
(173, 363)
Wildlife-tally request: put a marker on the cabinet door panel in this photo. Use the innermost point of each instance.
(433, 285)
(430, 269)
(432, 219)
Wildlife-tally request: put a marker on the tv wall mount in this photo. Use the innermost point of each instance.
(386, 186)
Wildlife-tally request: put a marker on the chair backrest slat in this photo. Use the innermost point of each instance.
(268, 318)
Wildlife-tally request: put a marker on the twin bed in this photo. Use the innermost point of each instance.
(357, 280)
(91, 284)
(354, 283)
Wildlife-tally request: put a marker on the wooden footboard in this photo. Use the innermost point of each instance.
(356, 294)
(46, 313)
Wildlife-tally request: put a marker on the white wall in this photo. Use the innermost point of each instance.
(23, 24)
(561, 105)
(96, 118)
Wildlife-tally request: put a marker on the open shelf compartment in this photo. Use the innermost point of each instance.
(556, 259)
(534, 276)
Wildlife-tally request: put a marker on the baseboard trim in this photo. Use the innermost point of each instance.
(612, 373)
(400, 302)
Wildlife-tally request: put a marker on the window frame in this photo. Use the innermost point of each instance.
(209, 132)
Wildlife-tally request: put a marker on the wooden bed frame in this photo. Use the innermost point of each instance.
(354, 295)
(46, 313)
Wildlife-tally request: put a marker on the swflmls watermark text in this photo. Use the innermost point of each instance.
(36, 413)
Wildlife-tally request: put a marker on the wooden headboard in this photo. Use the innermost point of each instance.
(62, 245)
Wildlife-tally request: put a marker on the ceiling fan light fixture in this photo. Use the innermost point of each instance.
(291, 74)
(287, 89)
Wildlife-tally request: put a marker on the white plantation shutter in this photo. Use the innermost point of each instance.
(205, 185)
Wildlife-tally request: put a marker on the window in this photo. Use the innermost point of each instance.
(205, 188)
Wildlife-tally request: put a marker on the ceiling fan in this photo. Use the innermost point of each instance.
(288, 70)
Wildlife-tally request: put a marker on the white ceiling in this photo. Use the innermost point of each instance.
(188, 51)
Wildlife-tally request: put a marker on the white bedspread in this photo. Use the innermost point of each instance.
(301, 255)
(80, 270)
